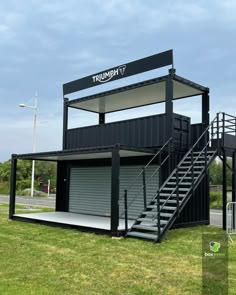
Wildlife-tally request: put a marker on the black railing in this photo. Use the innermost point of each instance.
(220, 125)
(167, 149)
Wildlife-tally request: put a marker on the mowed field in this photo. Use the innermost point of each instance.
(41, 260)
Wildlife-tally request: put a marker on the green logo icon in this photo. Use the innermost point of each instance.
(214, 246)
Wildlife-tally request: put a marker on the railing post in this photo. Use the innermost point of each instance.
(177, 190)
(158, 216)
(169, 159)
(218, 133)
(223, 132)
(192, 171)
(160, 174)
(212, 132)
(205, 154)
(144, 189)
(126, 211)
(235, 126)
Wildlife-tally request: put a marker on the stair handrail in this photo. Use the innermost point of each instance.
(126, 205)
(185, 156)
(141, 172)
(216, 119)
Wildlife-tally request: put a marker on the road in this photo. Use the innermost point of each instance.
(215, 215)
(36, 201)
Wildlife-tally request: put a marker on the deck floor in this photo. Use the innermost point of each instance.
(75, 219)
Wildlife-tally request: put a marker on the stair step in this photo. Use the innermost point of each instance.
(173, 195)
(171, 189)
(199, 157)
(186, 177)
(189, 167)
(143, 219)
(154, 213)
(169, 201)
(196, 162)
(145, 227)
(141, 235)
(185, 172)
(165, 207)
(182, 183)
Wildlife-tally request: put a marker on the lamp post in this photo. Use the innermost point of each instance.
(34, 139)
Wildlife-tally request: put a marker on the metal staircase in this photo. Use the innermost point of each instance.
(161, 212)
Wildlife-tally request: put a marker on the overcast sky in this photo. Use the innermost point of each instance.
(47, 43)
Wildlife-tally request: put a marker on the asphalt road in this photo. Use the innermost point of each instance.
(42, 201)
(215, 215)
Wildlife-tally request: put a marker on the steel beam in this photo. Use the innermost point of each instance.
(224, 189)
(13, 186)
(115, 191)
(65, 122)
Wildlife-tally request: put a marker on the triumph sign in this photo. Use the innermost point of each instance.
(121, 71)
(107, 76)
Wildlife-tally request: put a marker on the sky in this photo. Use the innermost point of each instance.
(45, 44)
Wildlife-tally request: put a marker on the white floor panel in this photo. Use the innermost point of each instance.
(75, 219)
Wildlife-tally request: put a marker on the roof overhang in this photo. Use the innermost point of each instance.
(85, 154)
(140, 94)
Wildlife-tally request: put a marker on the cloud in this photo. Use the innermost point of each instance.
(47, 43)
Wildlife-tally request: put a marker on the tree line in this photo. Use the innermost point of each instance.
(47, 170)
(44, 170)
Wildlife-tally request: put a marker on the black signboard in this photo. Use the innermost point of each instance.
(132, 68)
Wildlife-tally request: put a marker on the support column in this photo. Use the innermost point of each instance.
(65, 122)
(224, 192)
(115, 191)
(205, 108)
(101, 118)
(233, 185)
(13, 186)
(169, 107)
(234, 177)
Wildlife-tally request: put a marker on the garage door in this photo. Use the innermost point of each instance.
(90, 189)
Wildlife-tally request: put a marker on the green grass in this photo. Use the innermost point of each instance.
(41, 260)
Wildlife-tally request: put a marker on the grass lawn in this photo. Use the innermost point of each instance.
(41, 260)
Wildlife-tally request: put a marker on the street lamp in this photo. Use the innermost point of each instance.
(22, 105)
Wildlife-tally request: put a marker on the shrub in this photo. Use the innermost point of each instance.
(216, 200)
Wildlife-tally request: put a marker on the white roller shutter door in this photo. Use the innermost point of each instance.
(90, 189)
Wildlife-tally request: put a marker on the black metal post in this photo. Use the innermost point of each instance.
(126, 210)
(101, 118)
(233, 185)
(169, 159)
(223, 130)
(205, 108)
(144, 189)
(13, 186)
(177, 190)
(158, 217)
(205, 152)
(65, 122)
(192, 172)
(224, 201)
(115, 188)
(160, 170)
(218, 134)
(169, 107)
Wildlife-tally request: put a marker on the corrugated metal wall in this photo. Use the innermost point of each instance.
(142, 132)
(135, 194)
(196, 210)
(90, 189)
